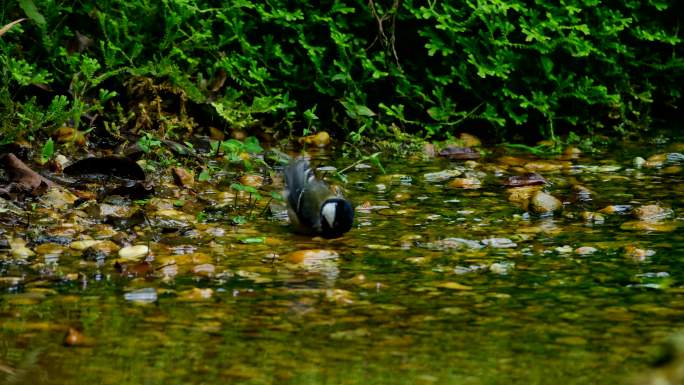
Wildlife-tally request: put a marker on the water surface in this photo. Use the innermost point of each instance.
(397, 302)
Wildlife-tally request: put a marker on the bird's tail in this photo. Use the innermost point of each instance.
(297, 175)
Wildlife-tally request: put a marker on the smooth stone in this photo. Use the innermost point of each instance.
(441, 176)
(586, 250)
(146, 295)
(466, 183)
(542, 202)
(134, 253)
(84, 244)
(652, 212)
(499, 243)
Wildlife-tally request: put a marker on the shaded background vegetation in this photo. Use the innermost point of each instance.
(512, 69)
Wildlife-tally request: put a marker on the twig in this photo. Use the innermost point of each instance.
(389, 44)
(352, 165)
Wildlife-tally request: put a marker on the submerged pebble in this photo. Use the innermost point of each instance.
(501, 268)
(74, 337)
(441, 176)
(637, 253)
(133, 253)
(499, 243)
(652, 212)
(455, 243)
(527, 179)
(542, 203)
(586, 250)
(454, 286)
(84, 244)
(466, 183)
(145, 295)
(19, 250)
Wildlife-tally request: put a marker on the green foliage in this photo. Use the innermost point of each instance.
(510, 67)
(252, 199)
(204, 176)
(48, 151)
(236, 151)
(148, 142)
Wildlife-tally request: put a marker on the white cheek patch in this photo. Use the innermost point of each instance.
(328, 212)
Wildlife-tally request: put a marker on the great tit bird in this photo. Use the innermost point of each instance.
(312, 207)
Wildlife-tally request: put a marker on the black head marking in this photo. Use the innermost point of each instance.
(343, 221)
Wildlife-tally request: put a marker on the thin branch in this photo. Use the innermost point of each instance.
(388, 43)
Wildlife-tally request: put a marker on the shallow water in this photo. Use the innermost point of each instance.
(399, 303)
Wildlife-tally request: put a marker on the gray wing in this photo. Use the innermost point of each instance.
(299, 185)
(298, 174)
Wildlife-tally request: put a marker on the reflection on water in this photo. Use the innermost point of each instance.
(435, 284)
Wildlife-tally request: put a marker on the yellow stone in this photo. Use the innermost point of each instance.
(134, 253)
(252, 180)
(466, 183)
(664, 227)
(454, 286)
(547, 165)
(84, 244)
(469, 140)
(302, 256)
(321, 139)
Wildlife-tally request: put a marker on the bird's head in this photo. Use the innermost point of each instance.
(337, 217)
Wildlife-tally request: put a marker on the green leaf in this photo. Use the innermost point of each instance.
(547, 64)
(250, 189)
(251, 145)
(47, 151)
(375, 159)
(204, 176)
(356, 110)
(310, 114)
(239, 220)
(277, 196)
(31, 11)
(232, 146)
(364, 111)
(253, 240)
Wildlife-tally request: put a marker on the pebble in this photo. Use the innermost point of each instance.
(565, 249)
(499, 243)
(501, 268)
(542, 203)
(73, 337)
(639, 162)
(454, 286)
(146, 295)
(466, 183)
(469, 140)
(19, 250)
(134, 253)
(304, 256)
(586, 250)
(84, 244)
(615, 209)
(441, 176)
(321, 139)
(592, 217)
(637, 253)
(455, 243)
(252, 180)
(652, 212)
(183, 177)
